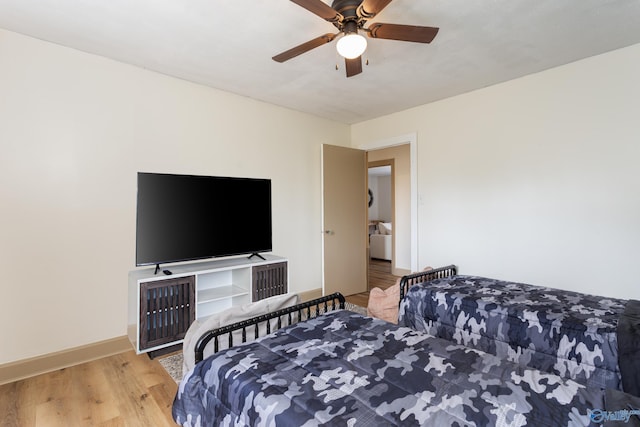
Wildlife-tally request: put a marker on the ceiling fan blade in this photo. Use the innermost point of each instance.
(370, 8)
(408, 33)
(320, 8)
(304, 47)
(353, 66)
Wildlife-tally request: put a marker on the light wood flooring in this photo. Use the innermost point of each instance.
(121, 390)
(379, 277)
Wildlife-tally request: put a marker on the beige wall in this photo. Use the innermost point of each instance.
(75, 128)
(533, 180)
(402, 187)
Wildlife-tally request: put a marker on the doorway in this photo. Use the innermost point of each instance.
(389, 217)
(406, 260)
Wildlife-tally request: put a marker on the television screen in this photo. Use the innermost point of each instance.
(189, 217)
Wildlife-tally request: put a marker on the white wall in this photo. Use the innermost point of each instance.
(74, 130)
(533, 180)
(380, 186)
(384, 197)
(373, 186)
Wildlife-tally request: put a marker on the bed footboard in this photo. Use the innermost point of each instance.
(305, 310)
(424, 276)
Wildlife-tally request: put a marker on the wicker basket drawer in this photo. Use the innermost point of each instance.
(269, 280)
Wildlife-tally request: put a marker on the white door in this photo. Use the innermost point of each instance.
(344, 216)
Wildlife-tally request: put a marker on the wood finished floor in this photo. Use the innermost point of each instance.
(121, 390)
(379, 277)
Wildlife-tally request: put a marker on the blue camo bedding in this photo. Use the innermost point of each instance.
(345, 369)
(567, 333)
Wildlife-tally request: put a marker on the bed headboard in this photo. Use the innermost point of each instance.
(284, 317)
(424, 276)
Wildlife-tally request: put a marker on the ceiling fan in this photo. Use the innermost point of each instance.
(349, 17)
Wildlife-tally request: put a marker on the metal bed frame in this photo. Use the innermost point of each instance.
(305, 310)
(424, 276)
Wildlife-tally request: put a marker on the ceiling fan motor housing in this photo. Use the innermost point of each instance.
(349, 10)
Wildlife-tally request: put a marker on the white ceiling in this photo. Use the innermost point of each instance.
(228, 44)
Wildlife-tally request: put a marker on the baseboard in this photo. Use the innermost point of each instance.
(309, 295)
(21, 369)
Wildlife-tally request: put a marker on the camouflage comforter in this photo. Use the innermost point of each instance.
(567, 333)
(345, 369)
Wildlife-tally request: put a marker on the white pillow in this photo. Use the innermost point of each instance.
(384, 227)
(227, 317)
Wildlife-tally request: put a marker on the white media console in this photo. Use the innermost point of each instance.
(162, 307)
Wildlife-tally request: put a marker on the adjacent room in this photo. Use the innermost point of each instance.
(488, 150)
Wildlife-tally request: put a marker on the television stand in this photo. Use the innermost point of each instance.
(258, 255)
(161, 308)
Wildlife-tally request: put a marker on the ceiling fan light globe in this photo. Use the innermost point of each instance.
(351, 45)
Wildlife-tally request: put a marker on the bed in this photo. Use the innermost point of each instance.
(336, 367)
(590, 339)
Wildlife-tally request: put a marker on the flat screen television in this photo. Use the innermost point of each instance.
(190, 217)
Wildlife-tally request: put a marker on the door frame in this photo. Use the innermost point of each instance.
(412, 140)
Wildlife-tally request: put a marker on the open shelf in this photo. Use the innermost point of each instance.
(221, 292)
